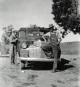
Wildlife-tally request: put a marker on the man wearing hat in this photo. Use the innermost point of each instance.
(53, 46)
(13, 46)
(55, 40)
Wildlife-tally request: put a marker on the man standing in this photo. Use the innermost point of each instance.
(55, 40)
(13, 47)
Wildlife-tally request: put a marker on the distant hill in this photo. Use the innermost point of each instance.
(70, 48)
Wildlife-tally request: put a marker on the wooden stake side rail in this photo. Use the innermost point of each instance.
(36, 59)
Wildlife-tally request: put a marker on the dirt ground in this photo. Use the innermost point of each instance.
(67, 76)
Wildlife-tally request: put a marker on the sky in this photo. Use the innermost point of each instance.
(22, 13)
(25, 12)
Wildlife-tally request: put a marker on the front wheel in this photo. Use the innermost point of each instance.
(22, 65)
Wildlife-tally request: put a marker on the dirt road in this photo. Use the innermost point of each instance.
(11, 75)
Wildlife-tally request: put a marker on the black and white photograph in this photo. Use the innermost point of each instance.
(39, 43)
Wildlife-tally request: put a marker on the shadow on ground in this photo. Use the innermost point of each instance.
(63, 65)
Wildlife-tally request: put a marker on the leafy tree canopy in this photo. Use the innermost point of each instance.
(66, 15)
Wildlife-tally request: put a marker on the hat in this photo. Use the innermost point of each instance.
(14, 30)
(8, 30)
(10, 27)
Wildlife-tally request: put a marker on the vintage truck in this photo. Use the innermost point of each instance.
(30, 47)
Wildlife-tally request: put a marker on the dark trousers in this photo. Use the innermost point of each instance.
(18, 49)
(13, 53)
(52, 51)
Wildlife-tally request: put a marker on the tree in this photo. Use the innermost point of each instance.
(66, 15)
(5, 43)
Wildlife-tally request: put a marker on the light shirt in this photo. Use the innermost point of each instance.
(59, 36)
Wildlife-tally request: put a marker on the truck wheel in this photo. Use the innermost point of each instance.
(26, 64)
(22, 65)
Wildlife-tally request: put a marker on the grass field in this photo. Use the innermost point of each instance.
(70, 48)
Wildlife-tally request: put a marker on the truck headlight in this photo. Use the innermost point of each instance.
(24, 45)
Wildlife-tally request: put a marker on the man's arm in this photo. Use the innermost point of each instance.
(12, 39)
(59, 37)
